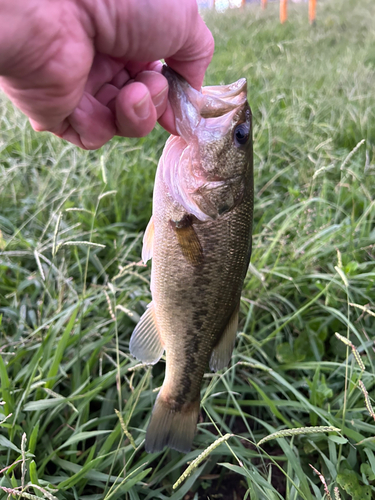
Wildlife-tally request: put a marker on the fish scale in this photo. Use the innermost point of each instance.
(199, 239)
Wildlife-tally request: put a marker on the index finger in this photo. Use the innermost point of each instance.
(193, 58)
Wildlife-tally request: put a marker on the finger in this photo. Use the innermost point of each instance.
(72, 136)
(135, 111)
(167, 120)
(102, 71)
(155, 66)
(120, 79)
(57, 129)
(166, 29)
(157, 85)
(106, 94)
(93, 122)
(135, 67)
(192, 60)
(52, 81)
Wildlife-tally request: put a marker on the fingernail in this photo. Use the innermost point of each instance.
(143, 107)
(160, 98)
(85, 105)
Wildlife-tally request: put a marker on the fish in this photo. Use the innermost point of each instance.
(199, 238)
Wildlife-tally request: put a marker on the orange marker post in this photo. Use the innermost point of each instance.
(283, 11)
(243, 3)
(264, 4)
(312, 11)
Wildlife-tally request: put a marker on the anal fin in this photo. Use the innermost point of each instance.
(222, 351)
(145, 343)
(148, 241)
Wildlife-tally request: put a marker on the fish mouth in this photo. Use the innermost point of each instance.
(191, 106)
(202, 117)
(222, 99)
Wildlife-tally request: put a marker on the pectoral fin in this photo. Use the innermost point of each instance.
(145, 343)
(222, 352)
(148, 241)
(188, 240)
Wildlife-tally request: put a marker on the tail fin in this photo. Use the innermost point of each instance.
(169, 427)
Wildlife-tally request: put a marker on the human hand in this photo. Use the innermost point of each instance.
(87, 70)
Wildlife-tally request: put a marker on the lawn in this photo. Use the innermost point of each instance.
(74, 405)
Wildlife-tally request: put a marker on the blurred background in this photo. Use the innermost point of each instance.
(222, 5)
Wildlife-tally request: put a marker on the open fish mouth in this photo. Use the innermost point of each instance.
(211, 102)
(221, 99)
(205, 122)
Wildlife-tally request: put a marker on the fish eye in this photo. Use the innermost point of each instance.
(241, 134)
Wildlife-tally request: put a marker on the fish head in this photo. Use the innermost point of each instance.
(211, 159)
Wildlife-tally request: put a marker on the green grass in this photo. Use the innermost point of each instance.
(68, 310)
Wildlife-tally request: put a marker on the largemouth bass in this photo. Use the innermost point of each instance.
(199, 238)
